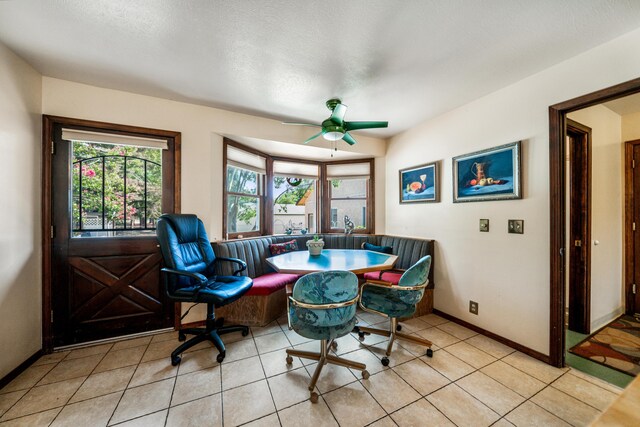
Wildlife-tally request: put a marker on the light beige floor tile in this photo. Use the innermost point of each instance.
(470, 354)
(143, 400)
(597, 381)
(121, 358)
(268, 421)
(438, 337)
(290, 388)
(152, 420)
(239, 350)
(523, 384)
(490, 346)
(347, 344)
(275, 363)
(42, 398)
(241, 372)
(365, 356)
(433, 319)
(331, 377)
(398, 355)
(456, 330)
(7, 400)
(416, 349)
(490, 392)
(462, 408)
(346, 404)
(202, 412)
(204, 345)
(502, 423)
(153, 371)
(564, 406)
(313, 346)
(234, 337)
(370, 318)
(89, 351)
(585, 391)
(448, 365)
(166, 336)
(158, 350)
(535, 368)
(419, 414)
(28, 378)
(196, 361)
(421, 376)
(196, 385)
(236, 409)
(531, 415)
(135, 342)
(73, 368)
(308, 414)
(390, 391)
(372, 339)
(273, 327)
(294, 338)
(383, 422)
(104, 383)
(271, 342)
(56, 357)
(41, 419)
(413, 325)
(92, 412)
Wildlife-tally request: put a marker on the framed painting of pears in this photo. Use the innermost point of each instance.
(420, 184)
(492, 174)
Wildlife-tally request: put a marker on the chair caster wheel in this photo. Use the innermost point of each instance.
(220, 357)
(334, 346)
(245, 332)
(181, 336)
(289, 360)
(314, 397)
(355, 330)
(429, 352)
(385, 361)
(175, 360)
(398, 328)
(365, 375)
(361, 336)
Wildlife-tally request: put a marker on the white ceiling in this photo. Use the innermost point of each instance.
(404, 62)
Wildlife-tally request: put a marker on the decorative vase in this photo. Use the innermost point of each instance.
(315, 247)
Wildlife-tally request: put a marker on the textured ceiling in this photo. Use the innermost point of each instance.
(388, 60)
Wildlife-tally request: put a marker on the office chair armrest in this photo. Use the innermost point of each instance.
(202, 280)
(243, 265)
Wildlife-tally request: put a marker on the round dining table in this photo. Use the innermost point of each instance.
(357, 261)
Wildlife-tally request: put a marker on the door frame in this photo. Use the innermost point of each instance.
(629, 296)
(580, 207)
(557, 200)
(48, 124)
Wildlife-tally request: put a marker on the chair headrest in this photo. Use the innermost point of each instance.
(186, 226)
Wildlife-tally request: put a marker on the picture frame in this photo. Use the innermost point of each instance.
(491, 174)
(420, 184)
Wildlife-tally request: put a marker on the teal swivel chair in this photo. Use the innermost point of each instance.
(323, 307)
(394, 302)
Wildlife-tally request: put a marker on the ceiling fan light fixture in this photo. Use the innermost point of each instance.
(333, 135)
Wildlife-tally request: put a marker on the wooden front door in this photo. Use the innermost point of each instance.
(632, 227)
(105, 200)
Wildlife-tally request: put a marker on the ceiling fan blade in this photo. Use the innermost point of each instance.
(348, 139)
(337, 116)
(301, 124)
(313, 137)
(364, 125)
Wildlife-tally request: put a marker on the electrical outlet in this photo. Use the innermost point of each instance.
(484, 225)
(516, 226)
(473, 307)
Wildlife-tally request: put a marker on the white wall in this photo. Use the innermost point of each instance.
(507, 274)
(607, 212)
(20, 252)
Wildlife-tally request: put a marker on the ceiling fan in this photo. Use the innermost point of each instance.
(335, 127)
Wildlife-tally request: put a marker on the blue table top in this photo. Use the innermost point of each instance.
(355, 260)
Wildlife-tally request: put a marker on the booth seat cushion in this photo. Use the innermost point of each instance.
(371, 247)
(283, 248)
(392, 276)
(270, 283)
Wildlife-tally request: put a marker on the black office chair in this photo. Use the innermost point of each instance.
(189, 276)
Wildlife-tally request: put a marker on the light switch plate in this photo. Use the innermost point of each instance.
(516, 226)
(484, 225)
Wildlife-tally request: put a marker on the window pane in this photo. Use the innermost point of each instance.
(356, 210)
(241, 180)
(348, 188)
(243, 214)
(294, 205)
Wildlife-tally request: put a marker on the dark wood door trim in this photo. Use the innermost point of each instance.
(580, 227)
(557, 132)
(630, 257)
(48, 124)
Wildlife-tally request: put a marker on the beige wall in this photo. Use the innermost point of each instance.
(20, 253)
(631, 127)
(607, 212)
(507, 274)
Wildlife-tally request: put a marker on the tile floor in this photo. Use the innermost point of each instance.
(470, 381)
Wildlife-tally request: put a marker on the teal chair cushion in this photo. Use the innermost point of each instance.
(324, 287)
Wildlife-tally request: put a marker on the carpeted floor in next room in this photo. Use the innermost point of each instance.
(471, 380)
